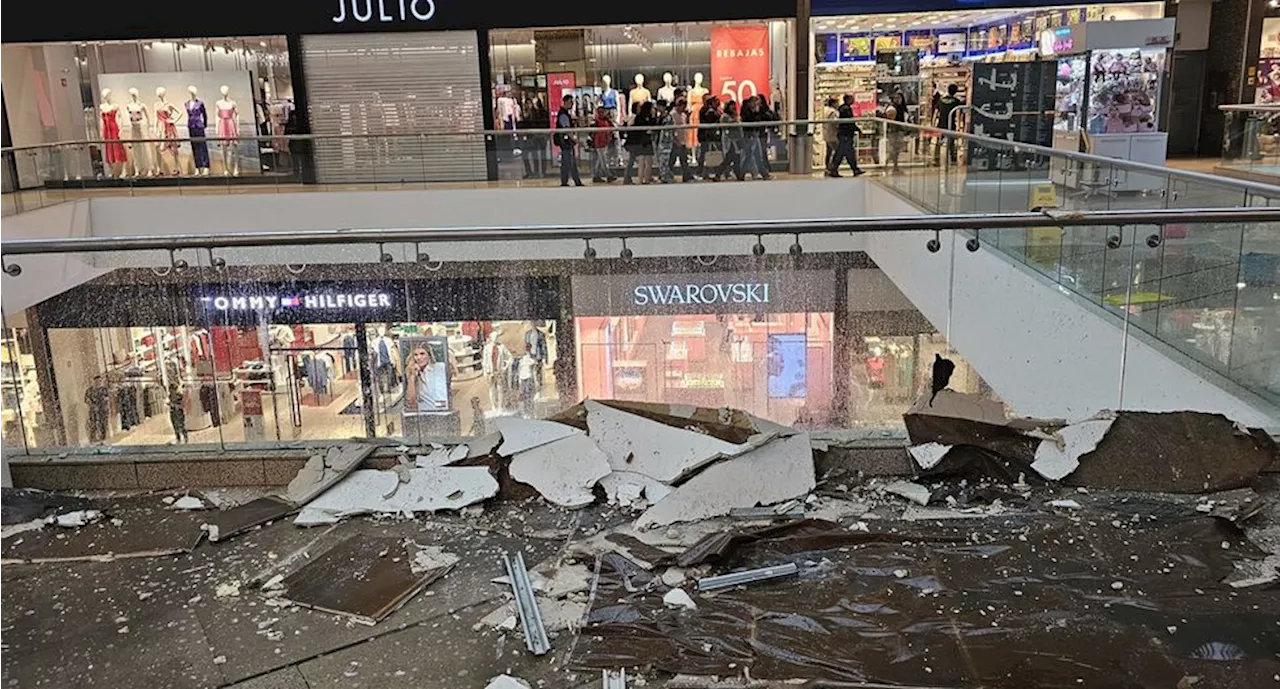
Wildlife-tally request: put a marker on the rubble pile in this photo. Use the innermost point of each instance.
(706, 547)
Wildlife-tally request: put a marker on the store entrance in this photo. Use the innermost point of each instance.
(318, 392)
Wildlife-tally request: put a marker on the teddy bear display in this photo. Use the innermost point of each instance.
(1121, 92)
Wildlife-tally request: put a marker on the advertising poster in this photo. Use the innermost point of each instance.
(1268, 81)
(786, 363)
(888, 41)
(854, 47)
(740, 61)
(920, 40)
(558, 84)
(251, 409)
(426, 365)
(950, 43)
(826, 47)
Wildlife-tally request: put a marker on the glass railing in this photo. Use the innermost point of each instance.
(1251, 141)
(409, 336)
(38, 176)
(1207, 290)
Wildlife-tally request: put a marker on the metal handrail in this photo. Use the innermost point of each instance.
(1251, 107)
(973, 221)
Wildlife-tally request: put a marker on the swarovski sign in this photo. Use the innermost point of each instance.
(362, 11)
(271, 302)
(710, 293)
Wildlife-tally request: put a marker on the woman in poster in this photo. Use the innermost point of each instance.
(427, 380)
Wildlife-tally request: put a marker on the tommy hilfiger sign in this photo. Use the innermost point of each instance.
(271, 302)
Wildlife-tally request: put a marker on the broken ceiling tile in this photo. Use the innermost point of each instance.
(910, 490)
(929, 454)
(961, 405)
(520, 434)
(677, 598)
(325, 469)
(564, 471)
(187, 502)
(365, 578)
(507, 682)
(1060, 455)
(640, 445)
(428, 489)
(428, 557)
(777, 471)
(237, 520)
(1175, 452)
(627, 488)
(77, 518)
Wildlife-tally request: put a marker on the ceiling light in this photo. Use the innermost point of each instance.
(262, 44)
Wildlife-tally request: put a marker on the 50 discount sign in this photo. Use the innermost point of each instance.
(740, 61)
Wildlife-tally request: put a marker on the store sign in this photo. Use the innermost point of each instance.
(701, 293)
(1055, 41)
(271, 302)
(387, 11)
(740, 61)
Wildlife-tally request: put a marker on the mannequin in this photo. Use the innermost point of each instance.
(139, 128)
(697, 95)
(384, 361)
(495, 361)
(113, 153)
(667, 92)
(228, 129)
(167, 116)
(197, 118)
(508, 110)
(639, 94)
(609, 98)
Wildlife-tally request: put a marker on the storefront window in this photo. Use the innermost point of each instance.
(924, 54)
(454, 378)
(616, 68)
(118, 91)
(20, 409)
(889, 373)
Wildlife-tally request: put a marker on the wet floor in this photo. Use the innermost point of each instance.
(1117, 594)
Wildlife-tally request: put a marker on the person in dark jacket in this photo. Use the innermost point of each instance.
(733, 137)
(640, 144)
(535, 145)
(846, 132)
(568, 144)
(708, 137)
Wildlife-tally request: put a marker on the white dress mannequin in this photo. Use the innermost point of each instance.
(167, 117)
(228, 131)
(667, 92)
(139, 128)
(114, 156)
(639, 94)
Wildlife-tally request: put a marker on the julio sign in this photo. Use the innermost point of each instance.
(740, 61)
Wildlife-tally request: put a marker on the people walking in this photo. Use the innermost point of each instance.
(830, 130)
(680, 147)
(708, 136)
(732, 142)
(846, 135)
(665, 141)
(601, 140)
(897, 112)
(568, 143)
(639, 144)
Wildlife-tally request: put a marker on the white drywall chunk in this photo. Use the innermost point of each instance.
(1064, 504)
(428, 489)
(912, 491)
(325, 469)
(1059, 457)
(77, 518)
(563, 471)
(639, 445)
(507, 682)
(430, 557)
(777, 471)
(929, 454)
(626, 488)
(677, 598)
(187, 502)
(520, 434)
